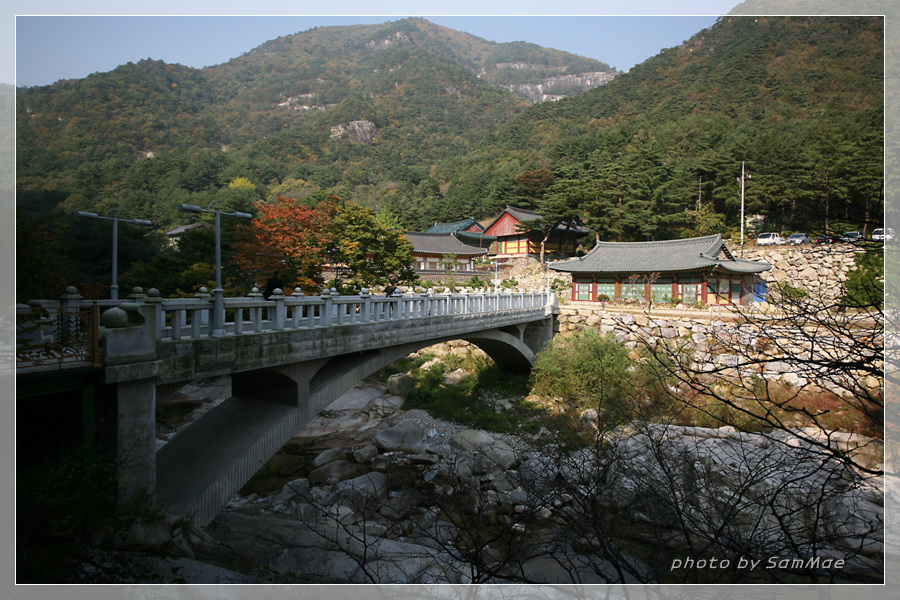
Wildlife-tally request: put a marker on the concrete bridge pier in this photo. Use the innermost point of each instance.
(128, 351)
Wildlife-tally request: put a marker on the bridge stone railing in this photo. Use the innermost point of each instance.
(130, 326)
(181, 319)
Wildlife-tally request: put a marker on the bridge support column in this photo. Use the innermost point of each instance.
(135, 388)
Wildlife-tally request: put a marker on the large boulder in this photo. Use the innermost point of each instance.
(497, 456)
(366, 492)
(471, 440)
(330, 455)
(400, 383)
(338, 469)
(538, 474)
(406, 435)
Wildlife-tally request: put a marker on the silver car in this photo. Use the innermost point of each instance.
(799, 238)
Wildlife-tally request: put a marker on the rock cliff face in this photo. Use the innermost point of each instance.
(356, 131)
(556, 88)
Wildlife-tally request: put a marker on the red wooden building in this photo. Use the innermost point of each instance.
(514, 240)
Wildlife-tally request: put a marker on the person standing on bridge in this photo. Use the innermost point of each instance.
(388, 292)
(274, 283)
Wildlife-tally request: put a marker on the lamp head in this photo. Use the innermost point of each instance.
(87, 215)
(189, 208)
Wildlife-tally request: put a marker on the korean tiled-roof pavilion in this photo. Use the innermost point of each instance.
(468, 231)
(694, 270)
(431, 251)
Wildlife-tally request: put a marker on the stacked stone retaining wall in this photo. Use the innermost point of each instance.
(718, 340)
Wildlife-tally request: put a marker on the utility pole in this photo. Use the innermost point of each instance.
(700, 195)
(741, 180)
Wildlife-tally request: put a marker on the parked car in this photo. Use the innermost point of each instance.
(769, 239)
(828, 238)
(883, 235)
(799, 238)
(852, 237)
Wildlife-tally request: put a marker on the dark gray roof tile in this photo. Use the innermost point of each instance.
(708, 252)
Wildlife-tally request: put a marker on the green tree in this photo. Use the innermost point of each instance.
(373, 251)
(865, 281)
(588, 370)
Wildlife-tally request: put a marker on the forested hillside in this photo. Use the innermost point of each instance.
(419, 121)
(799, 100)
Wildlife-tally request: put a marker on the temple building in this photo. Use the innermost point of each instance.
(515, 239)
(692, 271)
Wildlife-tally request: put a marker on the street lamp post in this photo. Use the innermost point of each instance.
(217, 329)
(114, 287)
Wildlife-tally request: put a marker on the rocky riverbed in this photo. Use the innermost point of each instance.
(370, 493)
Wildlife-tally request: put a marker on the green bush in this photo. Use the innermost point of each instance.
(477, 283)
(464, 403)
(588, 370)
(791, 293)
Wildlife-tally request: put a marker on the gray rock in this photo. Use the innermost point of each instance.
(424, 459)
(330, 455)
(149, 535)
(455, 377)
(402, 506)
(399, 384)
(406, 435)
(339, 469)
(295, 490)
(538, 473)
(364, 492)
(471, 439)
(365, 454)
(498, 456)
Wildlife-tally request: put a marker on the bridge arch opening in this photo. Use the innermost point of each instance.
(338, 366)
(265, 384)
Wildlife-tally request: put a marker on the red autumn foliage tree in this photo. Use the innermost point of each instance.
(290, 237)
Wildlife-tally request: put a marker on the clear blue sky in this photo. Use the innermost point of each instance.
(50, 48)
(54, 48)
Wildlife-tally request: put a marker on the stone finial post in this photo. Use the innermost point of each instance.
(366, 307)
(155, 300)
(328, 307)
(137, 295)
(278, 314)
(256, 313)
(71, 299)
(200, 318)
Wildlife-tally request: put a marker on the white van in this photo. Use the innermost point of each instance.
(769, 239)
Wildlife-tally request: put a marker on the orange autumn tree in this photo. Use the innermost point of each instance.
(288, 236)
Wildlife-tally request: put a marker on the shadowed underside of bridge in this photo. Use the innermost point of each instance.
(199, 470)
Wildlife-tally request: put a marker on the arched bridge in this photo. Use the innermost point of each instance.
(288, 357)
